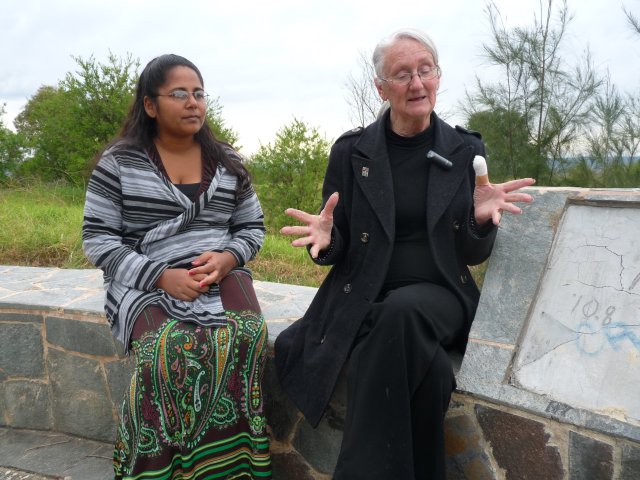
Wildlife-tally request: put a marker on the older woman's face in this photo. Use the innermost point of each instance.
(413, 103)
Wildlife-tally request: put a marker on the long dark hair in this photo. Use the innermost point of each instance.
(140, 130)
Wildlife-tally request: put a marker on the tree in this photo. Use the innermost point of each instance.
(43, 124)
(289, 172)
(614, 139)
(510, 157)
(218, 125)
(634, 22)
(552, 99)
(67, 125)
(11, 150)
(363, 98)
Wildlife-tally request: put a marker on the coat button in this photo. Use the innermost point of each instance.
(347, 288)
(364, 237)
(464, 278)
(456, 225)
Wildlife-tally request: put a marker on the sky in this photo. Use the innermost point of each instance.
(270, 62)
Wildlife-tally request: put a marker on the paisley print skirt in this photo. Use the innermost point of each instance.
(194, 409)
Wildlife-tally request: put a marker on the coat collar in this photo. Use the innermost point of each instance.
(372, 171)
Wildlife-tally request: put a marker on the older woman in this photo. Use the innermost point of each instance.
(399, 226)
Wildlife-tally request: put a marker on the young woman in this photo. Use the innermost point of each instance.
(171, 218)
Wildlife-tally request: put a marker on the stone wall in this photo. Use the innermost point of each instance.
(61, 373)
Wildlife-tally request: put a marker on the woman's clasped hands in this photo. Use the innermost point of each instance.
(188, 284)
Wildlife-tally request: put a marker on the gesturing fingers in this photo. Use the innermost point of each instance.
(329, 207)
(295, 230)
(302, 242)
(516, 184)
(518, 197)
(299, 215)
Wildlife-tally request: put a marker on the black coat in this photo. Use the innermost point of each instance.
(311, 352)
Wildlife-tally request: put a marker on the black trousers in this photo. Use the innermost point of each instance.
(400, 380)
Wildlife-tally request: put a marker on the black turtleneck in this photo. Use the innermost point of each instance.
(412, 259)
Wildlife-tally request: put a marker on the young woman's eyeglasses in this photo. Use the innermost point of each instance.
(183, 95)
(404, 78)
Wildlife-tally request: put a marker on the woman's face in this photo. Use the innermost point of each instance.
(412, 104)
(178, 117)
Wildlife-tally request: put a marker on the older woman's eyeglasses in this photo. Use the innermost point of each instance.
(404, 78)
(183, 95)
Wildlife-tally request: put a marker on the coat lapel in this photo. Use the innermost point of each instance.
(371, 169)
(443, 184)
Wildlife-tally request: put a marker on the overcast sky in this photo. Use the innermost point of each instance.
(271, 61)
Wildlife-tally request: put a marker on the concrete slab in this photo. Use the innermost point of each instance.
(557, 331)
(582, 344)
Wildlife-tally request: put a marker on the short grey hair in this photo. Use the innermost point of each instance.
(402, 34)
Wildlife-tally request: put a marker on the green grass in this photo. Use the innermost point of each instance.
(279, 262)
(41, 227)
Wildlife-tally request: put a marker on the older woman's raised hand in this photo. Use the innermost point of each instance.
(492, 199)
(317, 231)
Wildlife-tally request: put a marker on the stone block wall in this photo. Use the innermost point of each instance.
(63, 372)
(60, 373)
(484, 441)
(494, 442)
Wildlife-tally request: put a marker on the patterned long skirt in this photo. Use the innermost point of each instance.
(194, 409)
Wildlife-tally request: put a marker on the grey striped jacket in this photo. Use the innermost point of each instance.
(137, 224)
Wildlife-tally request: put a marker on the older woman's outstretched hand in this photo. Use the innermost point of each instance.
(491, 200)
(317, 231)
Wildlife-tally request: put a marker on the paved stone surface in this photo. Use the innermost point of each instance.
(39, 455)
(11, 474)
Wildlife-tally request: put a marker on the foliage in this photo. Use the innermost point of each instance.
(634, 22)
(510, 154)
(553, 100)
(289, 172)
(613, 142)
(66, 126)
(218, 125)
(11, 150)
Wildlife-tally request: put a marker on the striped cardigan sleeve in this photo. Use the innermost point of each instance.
(247, 227)
(102, 231)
